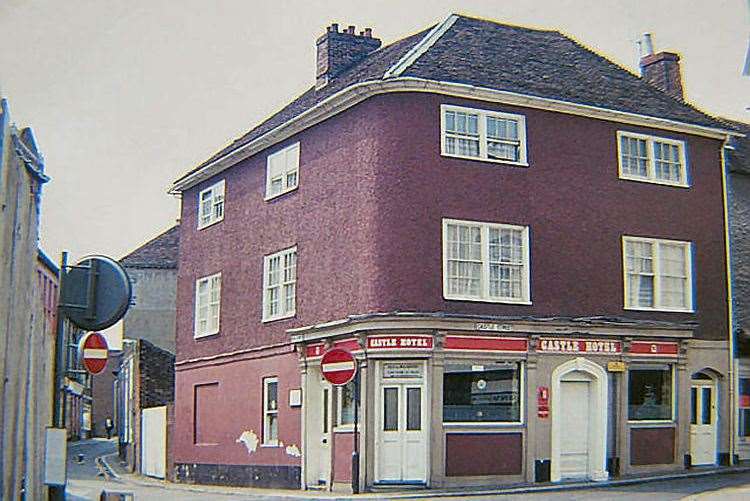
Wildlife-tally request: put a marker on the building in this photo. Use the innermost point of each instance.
(145, 375)
(24, 341)
(522, 243)
(738, 166)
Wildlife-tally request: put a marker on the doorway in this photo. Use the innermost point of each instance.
(703, 420)
(401, 424)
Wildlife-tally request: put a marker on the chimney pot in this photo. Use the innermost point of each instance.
(336, 54)
(661, 70)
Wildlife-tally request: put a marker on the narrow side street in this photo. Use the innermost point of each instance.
(86, 480)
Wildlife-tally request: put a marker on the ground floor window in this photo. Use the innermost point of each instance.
(744, 407)
(346, 404)
(271, 411)
(650, 390)
(482, 393)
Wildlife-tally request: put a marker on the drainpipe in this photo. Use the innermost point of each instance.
(730, 312)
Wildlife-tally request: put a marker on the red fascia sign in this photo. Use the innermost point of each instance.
(338, 366)
(542, 401)
(93, 352)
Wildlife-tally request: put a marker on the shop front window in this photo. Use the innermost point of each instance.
(650, 393)
(482, 393)
(346, 404)
(744, 407)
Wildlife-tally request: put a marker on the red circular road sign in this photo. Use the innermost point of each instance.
(93, 353)
(338, 366)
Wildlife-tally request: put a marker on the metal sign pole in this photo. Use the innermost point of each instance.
(57, 492)
(355, 453)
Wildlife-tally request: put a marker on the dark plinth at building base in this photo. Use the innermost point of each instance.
(267, 476)
(613, 466)
(724, 458)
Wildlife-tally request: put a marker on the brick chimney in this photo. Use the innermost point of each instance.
(340, 50)
(661, 70)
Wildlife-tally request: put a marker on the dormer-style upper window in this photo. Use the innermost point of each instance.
(282, 171)
(211, 205)
(652, 159)
(483, 135)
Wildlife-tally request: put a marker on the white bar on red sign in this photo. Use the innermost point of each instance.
(94, 353)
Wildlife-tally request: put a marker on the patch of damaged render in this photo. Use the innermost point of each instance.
(293, 451)
(250, 439)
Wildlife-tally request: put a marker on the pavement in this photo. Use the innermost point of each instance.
(100, 469)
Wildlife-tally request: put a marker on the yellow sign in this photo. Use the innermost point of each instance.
(616, 366)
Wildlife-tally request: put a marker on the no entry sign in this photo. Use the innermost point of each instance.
(93, 353)
(338, 366)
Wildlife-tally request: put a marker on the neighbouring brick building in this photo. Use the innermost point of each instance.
(103, 395)
(522, 243)
(145, 375)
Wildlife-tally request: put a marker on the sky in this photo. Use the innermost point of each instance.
(124, 97)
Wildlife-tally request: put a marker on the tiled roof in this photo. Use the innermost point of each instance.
(540, 63)
(159, 252)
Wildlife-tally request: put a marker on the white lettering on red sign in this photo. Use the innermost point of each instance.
(394, 342)
(580, 346)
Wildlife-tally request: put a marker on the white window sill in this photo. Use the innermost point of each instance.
(654, 181)
(277, 195)
(489, 160)
(279, 317)
(666, 310)
(271, 444)
(344, 428)
(209, 334)
(210, 223)
(656, 423)
(486, 300)
(479, 424)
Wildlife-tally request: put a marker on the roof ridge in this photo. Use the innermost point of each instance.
(420, 47)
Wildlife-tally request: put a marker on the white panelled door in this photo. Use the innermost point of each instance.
(401, 455)
(703, 422)
(575, 399)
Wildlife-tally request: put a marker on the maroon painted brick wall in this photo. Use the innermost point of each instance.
(237, 408)
(652, 446)
(474, 454)
(367, 222)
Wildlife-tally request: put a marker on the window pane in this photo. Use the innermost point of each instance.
(693, 405)
(413, 408)
(271, 396)
(650, 394)
(273, 428)
(476, 396)
(390, 409)
(634, 157)
(325, 410)
(706, 405)
(347, 404)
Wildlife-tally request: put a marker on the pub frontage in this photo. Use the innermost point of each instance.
(453, 400)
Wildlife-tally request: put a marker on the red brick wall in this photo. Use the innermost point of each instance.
(367, 222)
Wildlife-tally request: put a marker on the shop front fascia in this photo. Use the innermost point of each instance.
(466, 401)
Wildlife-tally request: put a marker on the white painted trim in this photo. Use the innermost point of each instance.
(209, 279)
(599, 410)
(656, 254)
(284, 314)
(420, 48)
(215, 188)
(651, 161)
(482, 139)
(484, 283)
(354, 94)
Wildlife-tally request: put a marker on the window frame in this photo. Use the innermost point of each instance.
(213, 189)
(267, 441)
(286, 189)
(484, 278)
(651, 161)
(265, 317)
(655, 242)
(673, 394)
(339, 425)
(482, 134)
(196, 313)
(493, 424)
